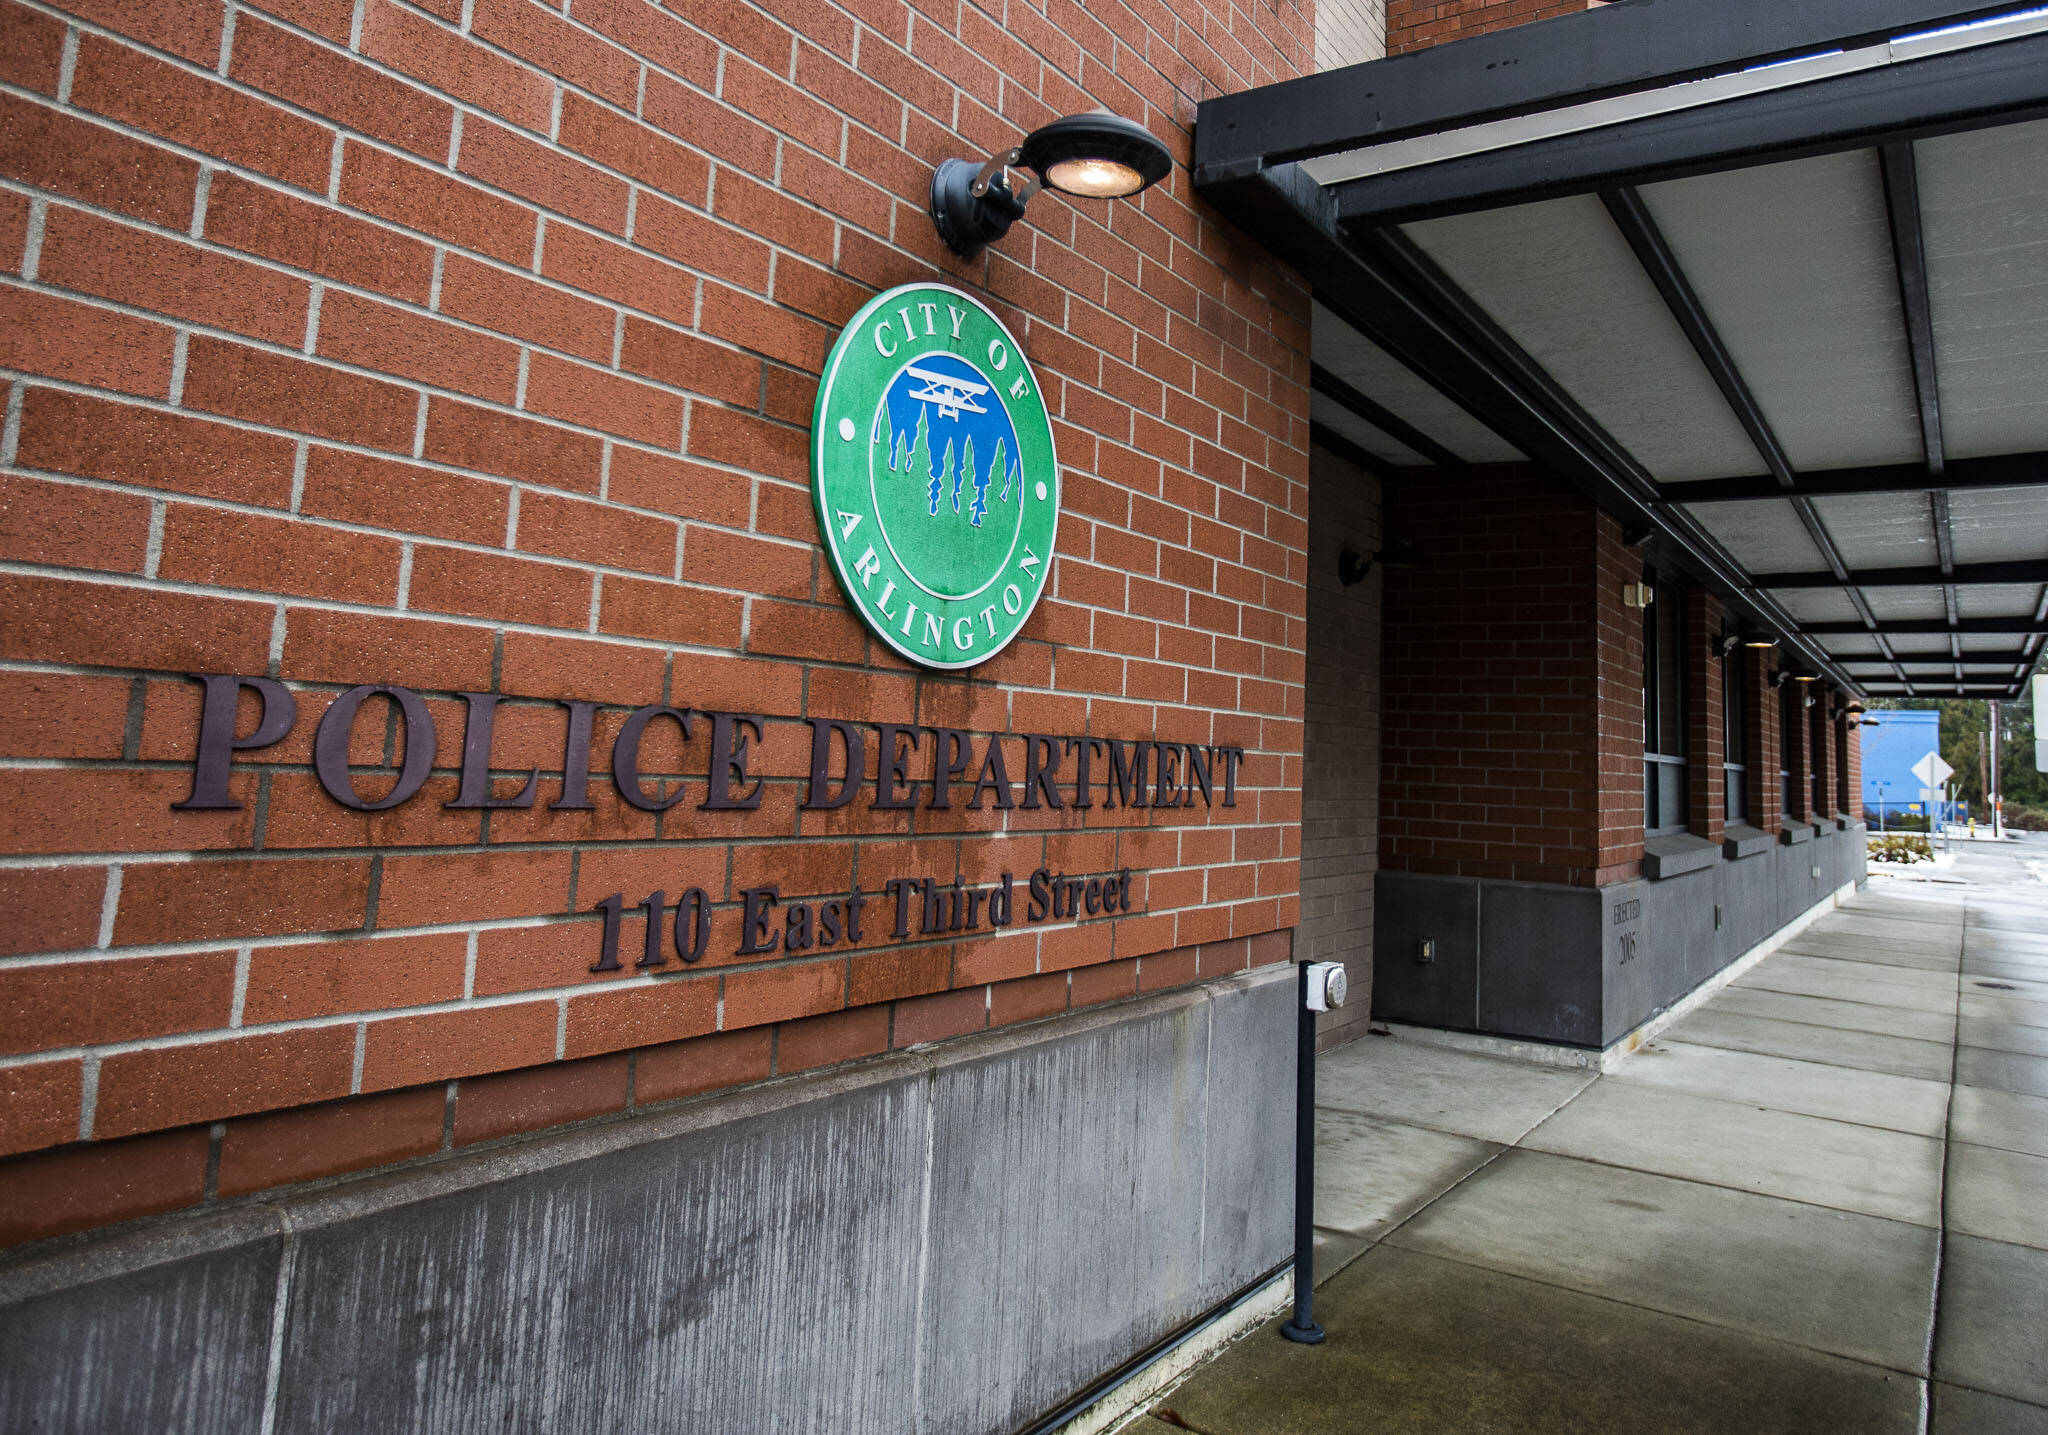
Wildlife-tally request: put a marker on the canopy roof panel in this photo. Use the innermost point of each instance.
(1769, 282)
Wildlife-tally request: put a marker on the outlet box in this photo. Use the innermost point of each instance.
(1425, 951)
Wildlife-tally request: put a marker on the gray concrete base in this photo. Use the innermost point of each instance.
(957, 1239)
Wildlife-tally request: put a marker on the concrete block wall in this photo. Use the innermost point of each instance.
(1341, 737)
(919, 1243)
(470, 346)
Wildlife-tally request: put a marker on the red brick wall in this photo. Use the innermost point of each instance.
(1706, 745)
(1512, 722)
(1418, 24)
(471, 345)
(1761, 741)
(1795, 742)
(1852, 767)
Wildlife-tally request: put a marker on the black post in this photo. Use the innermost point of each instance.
(1303, 1328)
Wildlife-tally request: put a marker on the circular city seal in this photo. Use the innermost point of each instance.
(933, 470)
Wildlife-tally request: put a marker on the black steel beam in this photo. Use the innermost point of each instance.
(2012, 470)
(1999, 83)
(1322, 381)
(2024, 571)
(1940, 663)
(1344, 448)
(1564, 61)
(1930, 627)
(1909, 253)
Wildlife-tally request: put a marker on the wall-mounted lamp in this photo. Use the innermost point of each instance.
(1396, 554)
(1637, 595)
(1729, 642)
(1759, 642)
(1784, 676)
(1095, 156)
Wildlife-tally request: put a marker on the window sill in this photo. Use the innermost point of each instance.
(1742, 840)
(1796, 832)
(1670, 856)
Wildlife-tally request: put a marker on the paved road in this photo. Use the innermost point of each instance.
(1817, 1204)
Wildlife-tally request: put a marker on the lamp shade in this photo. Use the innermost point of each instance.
(1095, 156)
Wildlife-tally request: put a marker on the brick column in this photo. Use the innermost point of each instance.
(1618, 705)
(1852, 767)
(1826, 738)
(1760, 737)
(1705, 746)
(1796, 745)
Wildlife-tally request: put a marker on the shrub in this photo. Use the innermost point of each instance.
(1900, 847)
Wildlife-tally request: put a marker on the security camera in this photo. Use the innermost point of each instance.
(1326, 985)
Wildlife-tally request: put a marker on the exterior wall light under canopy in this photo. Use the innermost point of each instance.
(1759, 642)
(1093, 156)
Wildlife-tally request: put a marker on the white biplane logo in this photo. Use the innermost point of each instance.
(953, 396)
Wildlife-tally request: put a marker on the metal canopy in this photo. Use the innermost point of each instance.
(1769, 282)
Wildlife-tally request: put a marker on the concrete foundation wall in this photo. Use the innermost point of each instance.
(947, 1240)
(1584, 966)
(1340, 800)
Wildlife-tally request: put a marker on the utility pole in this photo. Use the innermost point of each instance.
(1991, 779)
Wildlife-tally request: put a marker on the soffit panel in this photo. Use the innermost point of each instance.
(1763, 534)
(1919, 643)
(1889, 603)
(1998, 600)
(1793, 265)
(1881, 530)
(1333, 415)
(1817, 605)
(1394, 386)
(1984, 211)
(1999, 525)
(1851, 644)
(1563, 283)
(1990, 642)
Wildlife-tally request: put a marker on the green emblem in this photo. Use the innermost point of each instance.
(933, 470)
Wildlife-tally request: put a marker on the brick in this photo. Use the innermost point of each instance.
(934, 1018)
(1104, 982)
(72, 525)
(671, 613)
(487, 1107)
(300, 814)
(189, 29)
(404, 497)
(208, 901)
(50, 908)
(1167, 969)
(283, 1148)
(597, 534)
(597, 398)
(704, 1063)
(519, 959)
(31, 48)
(411, 345)
(407, 1050)
(204, 1081)
(287, 392)
(256, 219)
(228, 549)
(340, 87)
(328, 647)
(514, 304)
(826, 1040)
(67, 621)
(59, 715)
(622, 143)
(893, 972)
(82, 344)
(444, 59)
(200, 113)
(62, 810)
(669, 1010)
(719, 130)
(782, 569)
(91, 162)
(39, 1104)
(609, 270)
(319, 979)
(493, 585)
(539, 666)
(410, 194)
(332, 18)
(133, 266)
(783, 993)
(556, 47)
(58, 1192)
(511, 446)
(1027, 998)
(701, 242)
(557, 182)
(420, 891)
(685, 361)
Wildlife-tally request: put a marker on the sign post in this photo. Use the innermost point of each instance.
(1934, 775)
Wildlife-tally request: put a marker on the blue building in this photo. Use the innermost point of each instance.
(1899, 739)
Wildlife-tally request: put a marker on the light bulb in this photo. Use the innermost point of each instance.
(1094, 178)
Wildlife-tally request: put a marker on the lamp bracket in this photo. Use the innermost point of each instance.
(998, 162)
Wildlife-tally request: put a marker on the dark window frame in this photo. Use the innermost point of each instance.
(1667, 800)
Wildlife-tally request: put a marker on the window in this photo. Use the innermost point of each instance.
(1664, 778)
(1734, 736)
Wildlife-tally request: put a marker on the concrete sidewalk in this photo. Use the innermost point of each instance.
(1817, 1204)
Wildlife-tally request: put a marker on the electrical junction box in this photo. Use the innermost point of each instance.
(1326, 985)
